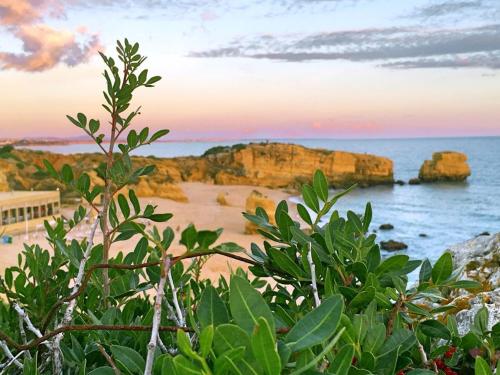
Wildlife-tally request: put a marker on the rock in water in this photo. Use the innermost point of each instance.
(414, 181)
(480, 260)
(386, 227)
(392, 245)
(445, 166)
(254, 200)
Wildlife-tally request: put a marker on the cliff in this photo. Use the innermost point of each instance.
(271, 165)
(445, 166)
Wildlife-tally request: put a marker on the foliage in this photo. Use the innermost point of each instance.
(319, 299)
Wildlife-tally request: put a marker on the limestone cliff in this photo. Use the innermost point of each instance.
(277, 165)
(271, 165)
(445, 166)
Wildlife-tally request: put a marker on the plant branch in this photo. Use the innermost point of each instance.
(108, 359)
(9, 354)
(317, 301)
(157, 315)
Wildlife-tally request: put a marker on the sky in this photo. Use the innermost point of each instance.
(247, 69)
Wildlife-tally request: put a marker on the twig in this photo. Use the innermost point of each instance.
(162, 345)
(180, 315)
(108, 358)
(10, 356)
(317, 301)
(68, 314)
(27, 320)
(157, 316)
(392, 317)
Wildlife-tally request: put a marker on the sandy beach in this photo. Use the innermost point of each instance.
(202, 210)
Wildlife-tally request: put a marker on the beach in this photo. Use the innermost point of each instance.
(202, 210)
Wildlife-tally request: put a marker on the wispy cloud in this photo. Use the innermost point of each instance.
(43, 47)
(392, 47)
(446, 8)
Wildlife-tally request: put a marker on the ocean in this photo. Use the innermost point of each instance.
(447, 213)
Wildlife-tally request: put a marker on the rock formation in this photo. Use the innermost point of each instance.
(254, 200)
(4, 184)
(273, 165)
(392, 245)
(445, 166)
(221, 199)
(148, 188)
(480, 260)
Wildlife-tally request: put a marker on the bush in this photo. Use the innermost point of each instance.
(317, 300)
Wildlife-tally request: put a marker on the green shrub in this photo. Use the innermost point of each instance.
(319, 299)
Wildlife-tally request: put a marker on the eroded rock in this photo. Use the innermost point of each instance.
(392, 245)
(445, 166)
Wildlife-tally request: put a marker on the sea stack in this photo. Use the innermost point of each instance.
(445, 166)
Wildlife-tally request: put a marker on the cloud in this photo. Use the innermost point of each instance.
(42, 46)
(446, 8)
(394, 47)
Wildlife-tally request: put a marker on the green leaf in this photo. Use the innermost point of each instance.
(310, 198)
(425, 271)
(481, 367)
(247, 304)
(103, 370)
(466, 284)
(367, 217)
(67, 174)
(184, 344)
(211, 309)
(122, 202)
(400, 338)
(128, 359)
(158, 134)
(82, 119)
(421, 372)
(304, 214)
(186, 367)
(264, 348)
(74, 121)
(396, 262)
(206, 339)
(442, 269)
(228, 337)
(435, 329)
(160, 218)
(317, 325)
(135, 202)
(327, 349)
(343, 359)
(284, 262)
(320, 185)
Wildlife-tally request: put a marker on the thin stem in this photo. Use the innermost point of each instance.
(178, 310)
(68, 314)
(157, 316)
(9, 354)
(314, 284)
(108, 359)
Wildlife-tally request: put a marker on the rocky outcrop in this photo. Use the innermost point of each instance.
(445, 166)
(479, 259)
(221, 199)
(4, 184)
(254, 200)
(278, 165)
(392, 245)
(148, 188)
(273, 165)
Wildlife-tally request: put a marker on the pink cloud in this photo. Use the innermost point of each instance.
(43, 46)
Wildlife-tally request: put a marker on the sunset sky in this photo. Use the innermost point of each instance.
(259, 68)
